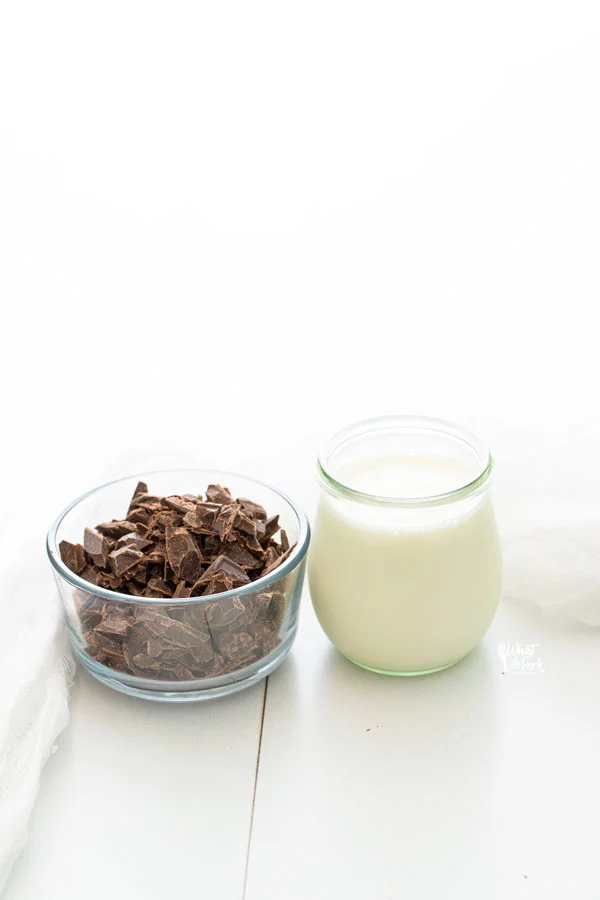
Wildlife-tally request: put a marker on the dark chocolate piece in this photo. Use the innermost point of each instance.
(217, 494)
(97, 546)
(183, 555)
(73, 556)
(115, 529)
(124, 559)
(225, 520)
(271, 526)
(225, 566)
(131, 540)
(252, 509)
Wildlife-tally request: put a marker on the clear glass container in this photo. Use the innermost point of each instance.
(405, 567)
(211, 645)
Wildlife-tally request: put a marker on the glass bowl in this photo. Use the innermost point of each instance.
(208, 646)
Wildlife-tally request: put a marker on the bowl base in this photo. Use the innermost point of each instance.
(186, 691)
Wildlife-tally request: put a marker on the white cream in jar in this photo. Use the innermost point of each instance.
(405, 565)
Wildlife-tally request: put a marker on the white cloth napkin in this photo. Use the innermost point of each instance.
(36, 670)
(548, 501)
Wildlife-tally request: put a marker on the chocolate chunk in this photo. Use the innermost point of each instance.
(283, 540)
(157, 554)
(157, 587)
(271, 556)
(225, 612)
(278, 561)
(245, 524)
(180, 504)
(201, 519)
(271, 526)
(252, 544)
(132, 540)
(124, 559)
(115, 529)
(225, 566)
(141, 488)
(237, 553)
(251, 509)
(97, 546)
(225, 520)
(101, 578)
(238, 646)
(216, 585)
(115, 623)
(148, 501)
(73, 556)
(139, 517)
(217, 494)
(182, 590)
(183, 555)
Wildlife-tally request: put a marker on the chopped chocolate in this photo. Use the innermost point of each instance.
(173, 550)
(271, 526)
(238, 647)
(277, 562)
(73, 556)
(97, 546)
(158, 554)
(201, 519)
(182, 590)
(157, 587)
(124, 559)
(115, 529)
(237, 553)
(180, 504)
(217, 585)
(245, 524)
(183, 555)
(225, 520)
(225, 566)
(252, 509)
(129, 540)
(225, 612)
(141, 488)
(217, 494)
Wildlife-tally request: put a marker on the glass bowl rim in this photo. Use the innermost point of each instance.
(442, 426)
(264, 582)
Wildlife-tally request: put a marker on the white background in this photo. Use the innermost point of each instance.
(227, 229)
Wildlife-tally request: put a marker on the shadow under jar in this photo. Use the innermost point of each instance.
(191, 648)
(405, 567)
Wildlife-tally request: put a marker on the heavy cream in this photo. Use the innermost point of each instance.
(405, 587)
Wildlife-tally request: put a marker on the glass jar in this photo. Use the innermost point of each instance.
(405, 568)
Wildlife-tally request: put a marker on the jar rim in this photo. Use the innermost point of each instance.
(338, 488)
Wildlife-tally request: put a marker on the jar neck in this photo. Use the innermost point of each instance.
(404, 461)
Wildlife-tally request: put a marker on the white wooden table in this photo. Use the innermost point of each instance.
(330, 782)
(226, 230)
